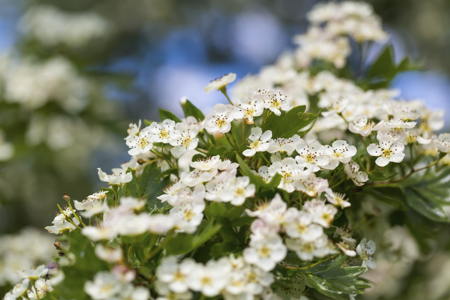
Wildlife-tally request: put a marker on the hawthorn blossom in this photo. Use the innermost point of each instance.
(311, 155)
(258, 141)
(353, 171)
(277, 102)
(248, 109)
(220, 119)
(414, 136)
(265, 252)
(336, 199)
(175, 274)
(186, 141)
(118, 176)
(104, 286)
(289, 170)
(211, 278)
(61, 222)
(18, 290)
(366, 250)
(443, 142)
(340, 151)
(220, 83)
(283, 144)
(33, 274)
(311, 185)
(308, 250)
(188, 215)
(299, 224)
(140, 143)
(362, 126)
(163, 133)
(399, 124)
(237, 189)
(108, 254)
(322, 214)
(387, 151)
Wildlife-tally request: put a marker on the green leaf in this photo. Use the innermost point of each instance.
(190, 110)
(165, 114)
(392, 195)
(427, 193)
(184, 243)
(384, 64)
(148, 122)
(152, 184)
(429, 207)
(289, 123)
(255, 179)
(380, 174)
(85, 267)
(332, 279)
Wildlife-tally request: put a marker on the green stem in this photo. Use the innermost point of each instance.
(68, 219)
(231, 144)
(224, 91)
(76, 216)
(160, 246)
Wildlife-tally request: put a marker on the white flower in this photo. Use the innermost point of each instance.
(322, 214)
(308, 250)
(339, 152)
(118, 176)
(18, 290)
(104, 286)
(173, 192)
(162, 288)
(311, 185)
(346, 249)
(220, 83)
(443, 142)
(336, 199)
(311, 156)
(366, 249)
(132, 204)
(264, 172)
(33, 274)
(265, 252)
(283, 145)
(108, 254)
(160, 224)
(188, 215)
(197, 176)
(358, 177)
(141, 143)
(299, 224)
(237, 189)
(164, 132)
(258, 141)
(99, 233)
(186, 141)
(93, 205)
(175, 274)
(388, 151)
(399, 124)
(220, 119)
(211, 278)
(362, 126)
(248, 109)
(289, 170)
(277, 102)
(61, 223)
(414, 136)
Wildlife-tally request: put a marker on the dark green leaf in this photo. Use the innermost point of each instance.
(392, 195)
(165, 114)
(190, 110)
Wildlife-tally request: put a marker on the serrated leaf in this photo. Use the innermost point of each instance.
(191, 110)
(425, 206)
(165, 114)
(289, 123)
(392, 195)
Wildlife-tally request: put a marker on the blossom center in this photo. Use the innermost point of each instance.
(264, 252)
(255, 145)
(178, 276)
(307, 247)
(164, 134)
(186, 142)
(387, 153)
(188, 215)
(240, 192)
(221, 122)
(206, 281)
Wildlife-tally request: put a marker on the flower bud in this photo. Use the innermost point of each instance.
(66, 197)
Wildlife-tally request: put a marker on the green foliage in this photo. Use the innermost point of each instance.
(332, 278)
(149, 185)
(190, 110)
(393, 195)
(257, 180)
(86, 265)
(428, 193)
(165, 114)
(289, 123)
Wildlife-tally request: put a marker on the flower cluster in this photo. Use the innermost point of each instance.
(259, 197)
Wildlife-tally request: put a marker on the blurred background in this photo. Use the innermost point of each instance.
(73, 74)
